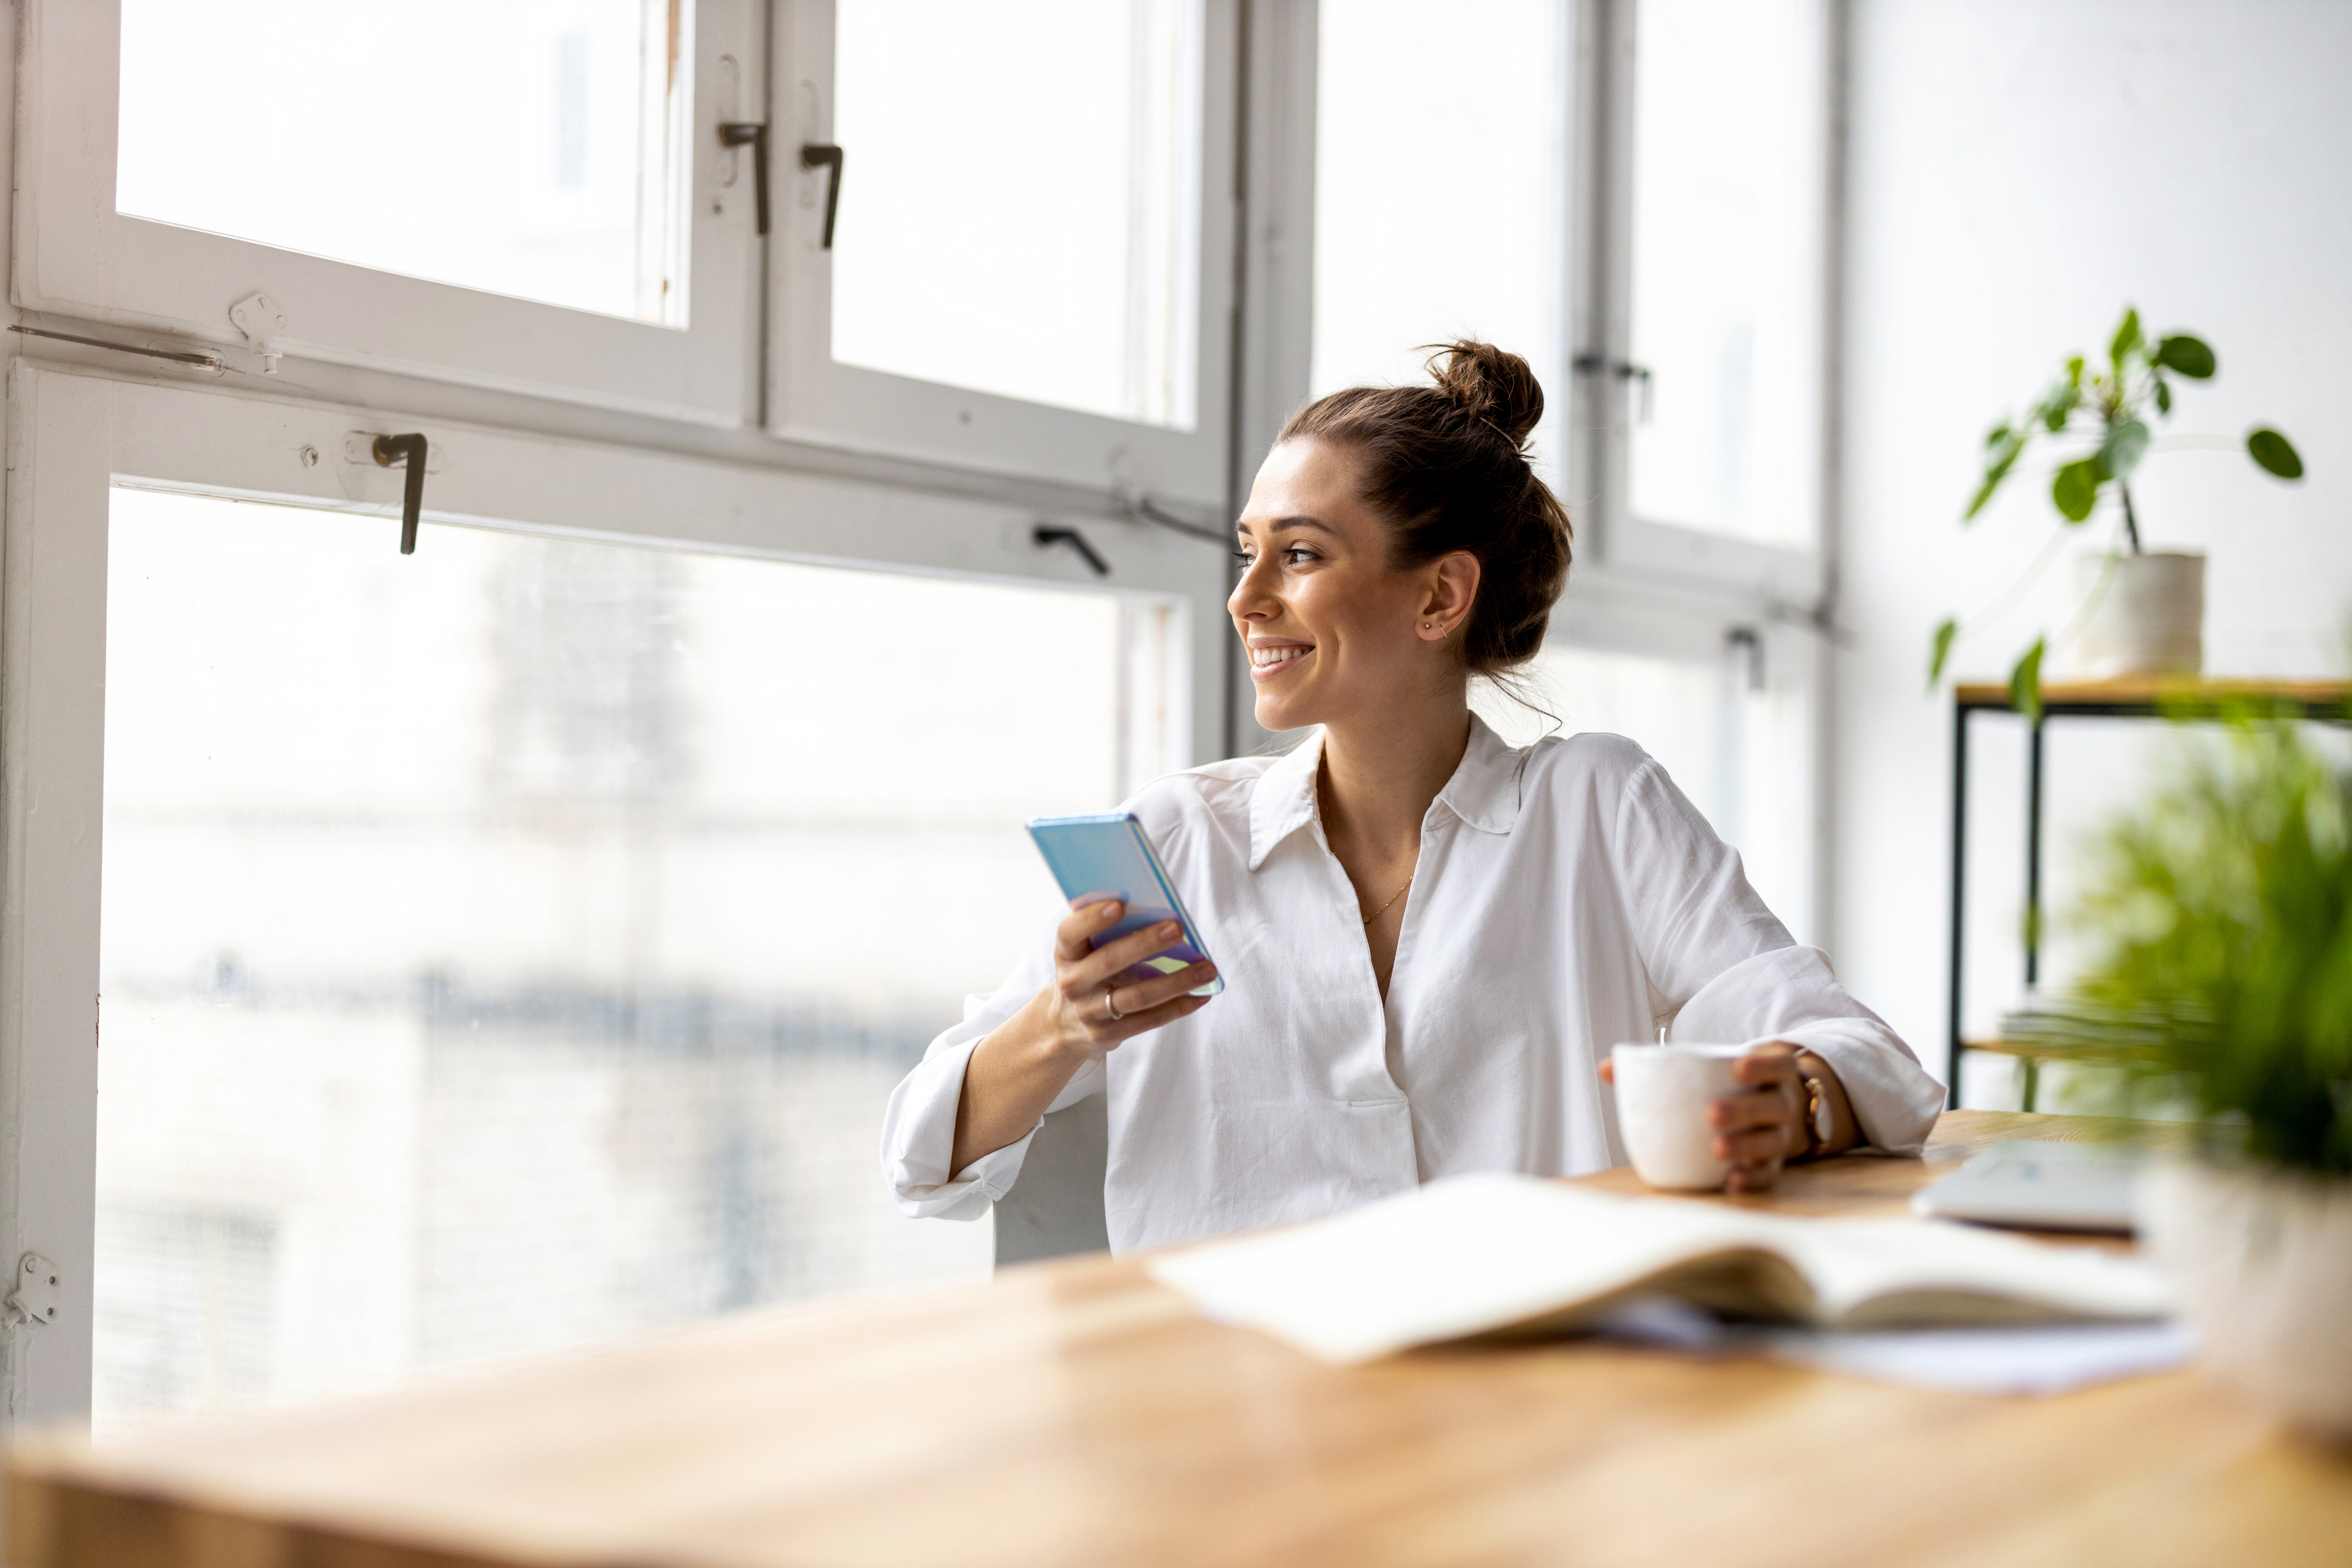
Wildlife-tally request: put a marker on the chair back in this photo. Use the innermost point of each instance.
(1057, 1207)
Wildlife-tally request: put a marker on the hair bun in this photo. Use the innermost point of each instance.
(1489, 383)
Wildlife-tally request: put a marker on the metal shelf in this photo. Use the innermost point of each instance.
(2135, 697)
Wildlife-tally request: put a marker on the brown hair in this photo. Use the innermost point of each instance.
(1446, 467)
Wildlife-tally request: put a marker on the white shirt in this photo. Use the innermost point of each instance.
(1566, 898)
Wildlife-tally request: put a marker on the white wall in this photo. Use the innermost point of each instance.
(2019, 169)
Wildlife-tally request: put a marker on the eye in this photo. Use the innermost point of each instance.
(1247, 558)
(1298, 555)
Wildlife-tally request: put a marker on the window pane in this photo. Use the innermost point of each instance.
(1726, 265)
(513, 945)
(1020, 196)
(531, 148)
(1440, 191)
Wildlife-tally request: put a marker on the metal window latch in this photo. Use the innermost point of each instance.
(1045, 537)
(1747, 644)
(409, 450)
(745, 133)
(825, 155)
(1593, 364)
(35, 1299)
(260, 319)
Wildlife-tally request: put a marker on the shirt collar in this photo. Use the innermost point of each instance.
(1483, 791)
(1284, 801)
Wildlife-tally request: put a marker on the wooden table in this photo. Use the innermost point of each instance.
(1075, 1413)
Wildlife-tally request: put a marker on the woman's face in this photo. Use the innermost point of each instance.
(1334, 635)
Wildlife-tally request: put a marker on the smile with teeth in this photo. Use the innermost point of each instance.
(1266, 658)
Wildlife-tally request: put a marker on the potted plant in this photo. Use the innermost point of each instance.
(2221, 919)
(2139, 611)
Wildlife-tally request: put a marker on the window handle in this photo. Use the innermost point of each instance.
(1045, 538)
(825, 155)
(743, 132)
(1593, 364)
(410, 450)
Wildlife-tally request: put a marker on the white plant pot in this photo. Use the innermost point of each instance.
(2141, 615)
(2262, 1260)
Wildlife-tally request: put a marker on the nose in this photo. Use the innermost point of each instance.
(1249, 599)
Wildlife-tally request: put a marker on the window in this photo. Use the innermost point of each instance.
(516, 194)
(525, 962)
(1442, 215)
(463, 897)
(1728, 116)
(1030, 234)
(1082, 289)
(511, 943)
(544, 169)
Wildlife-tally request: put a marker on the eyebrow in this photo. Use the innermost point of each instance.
(1281, 523)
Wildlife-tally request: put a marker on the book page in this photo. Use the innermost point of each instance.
(1462, 1256)
(1882, 1273)
(1472, 1255)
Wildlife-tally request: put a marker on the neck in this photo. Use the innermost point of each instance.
(1377, 779)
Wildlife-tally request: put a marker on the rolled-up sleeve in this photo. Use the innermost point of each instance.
(919, 1126)
(1725, 971)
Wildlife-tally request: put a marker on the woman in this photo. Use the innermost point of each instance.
(1430, 940)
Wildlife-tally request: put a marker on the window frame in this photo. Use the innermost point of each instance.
(78, 258)
(813, 399)
(75, 436)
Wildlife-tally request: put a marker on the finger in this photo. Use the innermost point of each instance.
(1073, 937)
(1749, 1147)
(1754, 1109)
(1142, 995)
(1102, 967)
(1130, 1025)
(1758, 1177)
(1766, 1064)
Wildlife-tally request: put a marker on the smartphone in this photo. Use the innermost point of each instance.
(1107, 856)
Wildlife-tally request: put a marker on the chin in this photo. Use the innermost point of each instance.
(1274, 714)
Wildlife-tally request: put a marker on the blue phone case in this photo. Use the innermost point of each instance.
(1107, 856)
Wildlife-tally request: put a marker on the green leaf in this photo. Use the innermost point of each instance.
(2163, 396)
(2025, 682)
(2127, 338)
(1999, 461)
(1942, 650)
(2060, 401)
(2126, 444)
(2187, 355)
(2274, 452)
(2075, 489)
(2075, 372)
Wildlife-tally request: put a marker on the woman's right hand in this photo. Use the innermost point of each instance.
(1091, 1005)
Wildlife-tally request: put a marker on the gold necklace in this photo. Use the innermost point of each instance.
(1384, 909)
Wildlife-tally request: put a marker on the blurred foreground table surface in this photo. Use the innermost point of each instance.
(1075, 1413)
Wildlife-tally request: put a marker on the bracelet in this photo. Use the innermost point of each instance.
(1814, 1140)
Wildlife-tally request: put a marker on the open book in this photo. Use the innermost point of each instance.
(1487, 1255)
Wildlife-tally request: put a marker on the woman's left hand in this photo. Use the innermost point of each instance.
(1762, 1127)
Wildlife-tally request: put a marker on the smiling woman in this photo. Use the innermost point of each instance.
(1430, 939)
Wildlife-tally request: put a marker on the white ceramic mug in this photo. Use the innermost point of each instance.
(1662, 1094)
